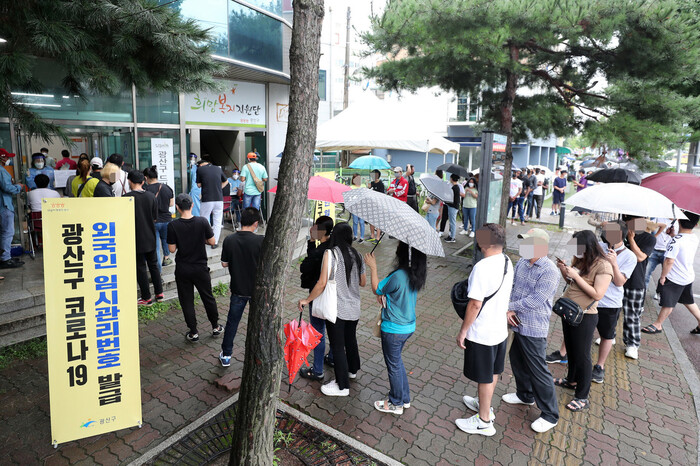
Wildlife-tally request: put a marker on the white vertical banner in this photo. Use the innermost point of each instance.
(162, 158)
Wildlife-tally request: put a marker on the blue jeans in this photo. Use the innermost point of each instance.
(236, 208)
(320, 326)
(655, 258)
(251, 201)
(235, 312)
(7, 232)
(432, 219)
(517, 203)
(452, 213)
(162, 242)
(469, 214)
(530, 198)
(392, 345)
(355, 222)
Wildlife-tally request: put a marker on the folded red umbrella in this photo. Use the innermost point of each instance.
(323, 189)
(682, 188)
(301, 339)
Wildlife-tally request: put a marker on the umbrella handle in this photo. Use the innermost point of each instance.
(377, 244)
(300, 314)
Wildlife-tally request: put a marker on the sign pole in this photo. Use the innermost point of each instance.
(482, 202)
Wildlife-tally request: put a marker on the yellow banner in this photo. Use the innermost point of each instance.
(91, 316)
(322, 207)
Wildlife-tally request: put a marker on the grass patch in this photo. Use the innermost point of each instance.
(152, 312)
(220, 290)
(31, 349)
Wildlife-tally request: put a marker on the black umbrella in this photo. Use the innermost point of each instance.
(454, 168)
(616, 175)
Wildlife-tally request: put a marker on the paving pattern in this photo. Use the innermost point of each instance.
(643, 414)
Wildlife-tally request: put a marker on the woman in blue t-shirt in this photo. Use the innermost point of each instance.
(400, 289)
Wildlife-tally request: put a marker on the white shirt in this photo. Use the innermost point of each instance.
(663, 239)
(121, 187)
(538, 189)
(491, 327)
(626, 262)
(682, 248)
(515, 186)
(35, 196)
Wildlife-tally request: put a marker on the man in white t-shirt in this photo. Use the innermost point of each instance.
(484, 331)
(665, 230)
(538, 192)
(516, 187)
(42, 191)
(677, 275)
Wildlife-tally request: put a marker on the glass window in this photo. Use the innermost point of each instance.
(145, 154)
(322, 84)
(273, 6)
(210, 14)
(5, 141)
(160, 107)
(254, 37)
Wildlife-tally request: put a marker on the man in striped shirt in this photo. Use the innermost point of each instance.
(535, 282)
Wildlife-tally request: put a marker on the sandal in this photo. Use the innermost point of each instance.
(696, 330)
(577, 404)
(385, 406)
(651, 329)
(564, 383)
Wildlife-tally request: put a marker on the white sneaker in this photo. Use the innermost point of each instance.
(441, 233)
(471, 234)
(464, 232)
(597, 341)
(540, 425)
(474, 425)
(514, 399)
(352, 375)
(406, 405)
(390, 408)
(461, 227)
(632, 352)
(332, 389)
(473, 404)
(657, 296)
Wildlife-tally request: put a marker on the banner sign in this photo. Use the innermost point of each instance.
(162, 158)
(323, 207)
(91, 316)
(240, 104)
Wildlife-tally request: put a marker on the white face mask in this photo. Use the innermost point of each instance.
(578, 256)
(39, 165)
(527, 251)
(471, 185)
(235, 177)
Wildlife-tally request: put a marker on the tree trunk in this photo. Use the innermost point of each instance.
(255, 417)
(507, 129)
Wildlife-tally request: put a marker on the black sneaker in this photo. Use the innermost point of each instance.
(217, 331)
(598, 374)
(192, 337)
(556, 357)
(449, 239)
(328, 361)
(9, 264)
(308, 373)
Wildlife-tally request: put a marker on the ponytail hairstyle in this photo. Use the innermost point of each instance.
(84, 168)
(341, 237)
(414, 263)
(151, 172)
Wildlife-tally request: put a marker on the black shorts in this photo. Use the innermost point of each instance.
(672, 294)
(482, 362)
(607, 321)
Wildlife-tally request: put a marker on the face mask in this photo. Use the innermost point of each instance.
(578, 256)
(397, 174)
(471, 185)
(39, 165)
(527, 251)
(235, 177)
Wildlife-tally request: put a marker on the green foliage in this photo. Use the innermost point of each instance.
(31, 349)
(220, 289)
(282, 438)
(98, 46)
(152, 312)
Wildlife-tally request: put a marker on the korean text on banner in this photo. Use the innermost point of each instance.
(323, 207)
(237, 104)
(91, 316)
(162, 158)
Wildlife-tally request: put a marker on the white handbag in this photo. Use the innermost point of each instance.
(326, 305)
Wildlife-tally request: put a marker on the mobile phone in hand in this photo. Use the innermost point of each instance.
(516, 319)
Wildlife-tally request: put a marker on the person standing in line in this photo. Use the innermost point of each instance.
(8, 190)
(530, 197)
(623, 262)
(582, 182)
(589, 277)
(665, 231)
(400, 289)
(240, 254)
(106, 177)
(411, 193)
(471, 194)
(538, 193)
(236, 193)
(349, 277)
(484, 332)
(68, 189)
(642, 245)
(523, 195)
(357, 222)
(398, 186)
(121, 185)
(678, 275)
(535, 281)
(516, 189)
(252, 173)
(453, 207)
(310, 269)
(66, 163)
(187, 237)
(42, 191)
(212, 181)
(165, 200)
(559, 192)
(50, 161)
(376, 185)
(83, 185)
(146, 214)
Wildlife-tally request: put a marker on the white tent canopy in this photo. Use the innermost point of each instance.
(375, 124)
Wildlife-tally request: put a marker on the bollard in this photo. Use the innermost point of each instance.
(562, 212)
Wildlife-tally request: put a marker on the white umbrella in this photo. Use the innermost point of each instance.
(625, 198)
(395, 218)
(438, 188)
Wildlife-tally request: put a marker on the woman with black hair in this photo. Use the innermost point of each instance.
(349, 277)
(400, 289)
(588, 279)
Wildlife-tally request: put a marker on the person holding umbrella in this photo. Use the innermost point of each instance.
(375, 185)
(400, 288)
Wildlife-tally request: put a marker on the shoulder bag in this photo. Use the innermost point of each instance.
(259, 184)
(326, 305)
(569, 311)
(460, 293)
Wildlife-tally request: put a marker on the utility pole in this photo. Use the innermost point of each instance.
(330, 66)
(346, 77)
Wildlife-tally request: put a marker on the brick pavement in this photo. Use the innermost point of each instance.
(643, 414)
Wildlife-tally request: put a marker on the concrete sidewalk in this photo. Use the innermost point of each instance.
(644, 412)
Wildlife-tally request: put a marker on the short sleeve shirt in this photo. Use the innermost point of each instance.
(348, 294)
(682, 248)
(645, 242)
(210, 176)
(400, 313)
(190, 236)
(515, 186)
(626, 262)
(491, 326)
(163, 198)
(577, 295)
(250, 189)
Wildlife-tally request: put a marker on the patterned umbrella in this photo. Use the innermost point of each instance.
(394, 218)
(301, 339)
